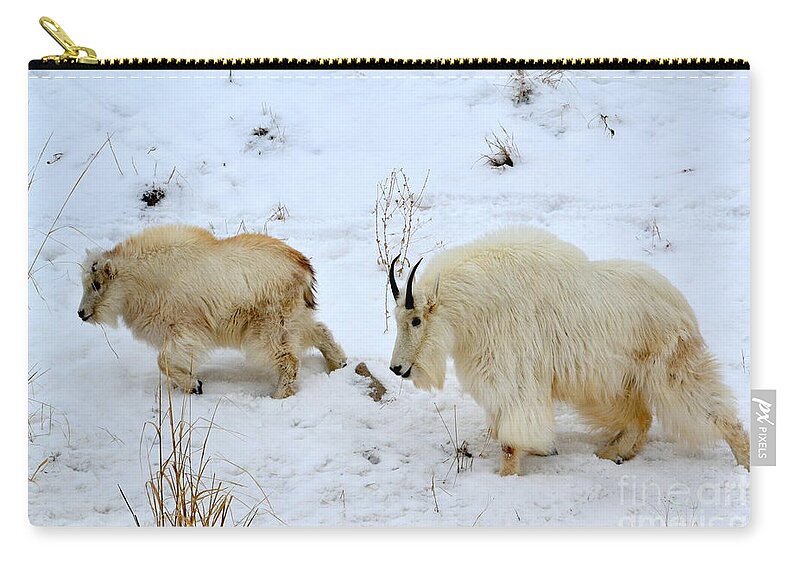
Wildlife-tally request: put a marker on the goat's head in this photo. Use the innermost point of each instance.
(414, 314)
(98, 274)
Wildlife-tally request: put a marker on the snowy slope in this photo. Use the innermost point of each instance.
(670, 188)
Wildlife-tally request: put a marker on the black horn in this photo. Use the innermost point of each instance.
(409, 283)
(392, 282)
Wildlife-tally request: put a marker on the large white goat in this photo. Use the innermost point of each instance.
(184, 292)
(528, 320)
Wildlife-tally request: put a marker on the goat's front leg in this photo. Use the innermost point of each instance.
(178, 359)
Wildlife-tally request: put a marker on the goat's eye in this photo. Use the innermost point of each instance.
(415, 322)
(96, 285)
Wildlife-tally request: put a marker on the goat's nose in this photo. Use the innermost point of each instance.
(81, 313)
(396, 369)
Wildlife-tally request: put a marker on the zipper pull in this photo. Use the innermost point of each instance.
(72, 53)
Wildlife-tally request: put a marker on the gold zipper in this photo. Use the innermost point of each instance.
(72, 53)
(75, 55)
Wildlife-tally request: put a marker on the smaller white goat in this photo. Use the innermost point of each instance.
(529, 320)
(184, 292)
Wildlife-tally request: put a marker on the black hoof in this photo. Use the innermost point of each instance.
(554, 451)
(199, 388)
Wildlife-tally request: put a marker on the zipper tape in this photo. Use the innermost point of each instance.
(396, 64)
(80, 57)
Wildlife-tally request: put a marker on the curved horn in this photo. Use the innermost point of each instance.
(409, 284)
(392, 282)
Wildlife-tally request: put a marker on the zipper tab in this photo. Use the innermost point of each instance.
(72, 53)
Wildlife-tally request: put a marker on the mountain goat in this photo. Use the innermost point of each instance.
(529, 320)
(184, 292)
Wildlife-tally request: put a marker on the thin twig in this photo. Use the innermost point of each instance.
(44, 462)
(450, 435)
(433, 490)
(135, 518)
(114, 154)
(108, 342)
(480, 514)
(32, 172)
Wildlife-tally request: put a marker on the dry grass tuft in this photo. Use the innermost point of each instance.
(183, 490)
(520, 87)
(42, 417)
(552, 78)
(502, 151)
(278, 214)
(657, 242)
(462, 456)
(155, 192)
(268, 134)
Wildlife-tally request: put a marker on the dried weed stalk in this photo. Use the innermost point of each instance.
(183, 490)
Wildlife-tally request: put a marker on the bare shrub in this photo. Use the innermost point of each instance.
(397, 221)
(502, 150)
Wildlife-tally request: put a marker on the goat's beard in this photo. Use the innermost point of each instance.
(431, 362)
(105, 313)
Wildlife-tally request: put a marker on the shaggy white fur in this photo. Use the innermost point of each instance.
(184, 292)
(528, 320)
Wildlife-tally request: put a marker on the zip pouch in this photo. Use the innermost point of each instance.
(439, 293)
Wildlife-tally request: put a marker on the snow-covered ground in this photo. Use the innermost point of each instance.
(670, 188)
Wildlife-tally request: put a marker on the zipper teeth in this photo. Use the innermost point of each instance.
(391, 63)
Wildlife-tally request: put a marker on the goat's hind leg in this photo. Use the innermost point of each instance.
(321, 337)
(629, 420)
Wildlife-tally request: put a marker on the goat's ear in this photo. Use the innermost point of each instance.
(109, 269)
(433, 300)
